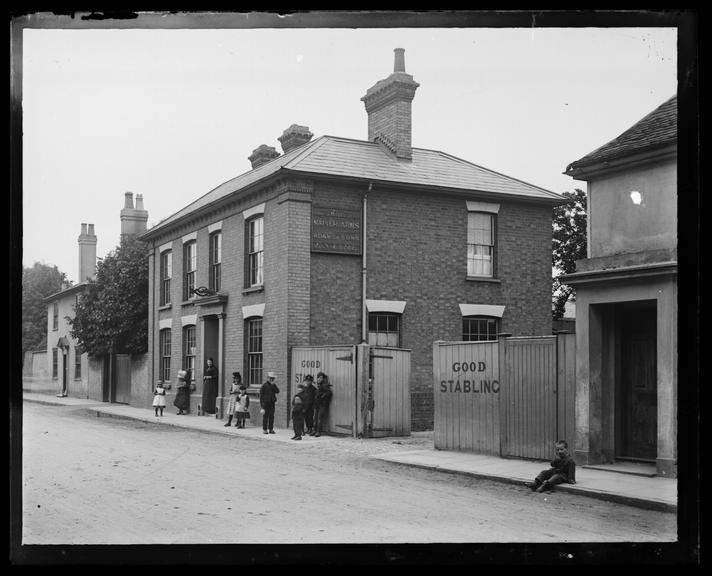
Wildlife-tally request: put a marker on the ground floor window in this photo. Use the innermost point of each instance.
(77, 363)
(384, 329)
(479, 328)
(253, 346)
(165, 348)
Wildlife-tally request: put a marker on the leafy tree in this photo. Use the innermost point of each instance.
(38, 282)
(111, 315)
(568, 245)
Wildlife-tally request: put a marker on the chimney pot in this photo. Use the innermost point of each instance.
(399, 64)
(262, 154)
(91, 230)
(84, 229)
(139, 201)
(294, 136)
(128, 200)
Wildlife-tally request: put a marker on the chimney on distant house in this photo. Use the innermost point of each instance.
(294, 136)
(133, 220)
(87, 252)
(388, 105)
(262, 154)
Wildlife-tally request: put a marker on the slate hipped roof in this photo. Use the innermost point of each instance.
(357, 159)
(657, 129)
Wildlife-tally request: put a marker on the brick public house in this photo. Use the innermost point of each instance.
(340, 241)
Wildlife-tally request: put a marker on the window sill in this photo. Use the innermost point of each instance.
(483, 279)
(190, 302)
(165, 307)
(252, 289)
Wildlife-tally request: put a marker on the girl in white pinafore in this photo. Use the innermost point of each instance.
(159, 398)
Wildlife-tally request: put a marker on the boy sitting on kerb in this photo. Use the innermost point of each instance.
(563, 469)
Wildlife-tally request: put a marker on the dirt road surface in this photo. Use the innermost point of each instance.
(89, 480)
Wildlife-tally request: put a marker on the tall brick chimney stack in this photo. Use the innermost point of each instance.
(388, 105)
(87, 253)
(294, 136)
(133, 220)
(262, 154)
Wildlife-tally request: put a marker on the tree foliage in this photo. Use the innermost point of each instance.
(568, 245)
(38, 282)
(111, 315)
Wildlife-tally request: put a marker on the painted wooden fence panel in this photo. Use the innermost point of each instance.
(566, 388)
(390, 392)
(339, 364)
(466, 389)
(514, 397)
(529, 399)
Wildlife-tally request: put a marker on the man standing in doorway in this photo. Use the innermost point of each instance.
(268, 398)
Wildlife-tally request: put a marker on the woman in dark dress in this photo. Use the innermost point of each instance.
(182, 401)
(210, 387)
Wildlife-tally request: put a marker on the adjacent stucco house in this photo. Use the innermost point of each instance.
(626, 298)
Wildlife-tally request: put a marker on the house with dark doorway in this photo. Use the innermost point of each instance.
(626, 298)
(338, 241)
(73, 372)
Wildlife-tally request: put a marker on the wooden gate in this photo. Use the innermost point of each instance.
(122, 379)
(339, 364)
(528, 400)
(387, 401)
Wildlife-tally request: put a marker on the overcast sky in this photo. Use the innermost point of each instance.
(171, 114)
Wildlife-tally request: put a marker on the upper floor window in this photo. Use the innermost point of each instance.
(189, 267)
(189, 349)
(166, 275)
(164, 345)
(480, 244)
(255, 251)
(215, 260)
(253, 335)
(479, 328)
(55, 316)
(384, 329)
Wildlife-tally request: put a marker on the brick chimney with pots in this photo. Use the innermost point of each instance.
(87, 252)
(262, 154)
(388, 105)
(294, 136)
(133, 220)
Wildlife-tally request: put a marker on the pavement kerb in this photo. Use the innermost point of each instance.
(104, 410)
(598, 494)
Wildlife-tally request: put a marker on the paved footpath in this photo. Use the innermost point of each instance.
(620, 484)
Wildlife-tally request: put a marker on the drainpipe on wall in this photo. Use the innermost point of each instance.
(364, 312)
(152, 328)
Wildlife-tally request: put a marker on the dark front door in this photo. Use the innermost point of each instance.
(639, 382)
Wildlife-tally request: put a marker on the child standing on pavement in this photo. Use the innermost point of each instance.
(242, 411)
(159, 398)
(232, 403)
(563, 469)
(298, 413)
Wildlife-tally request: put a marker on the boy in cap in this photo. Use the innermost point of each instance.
(298, 413)
(268, 398)
(308, 396)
